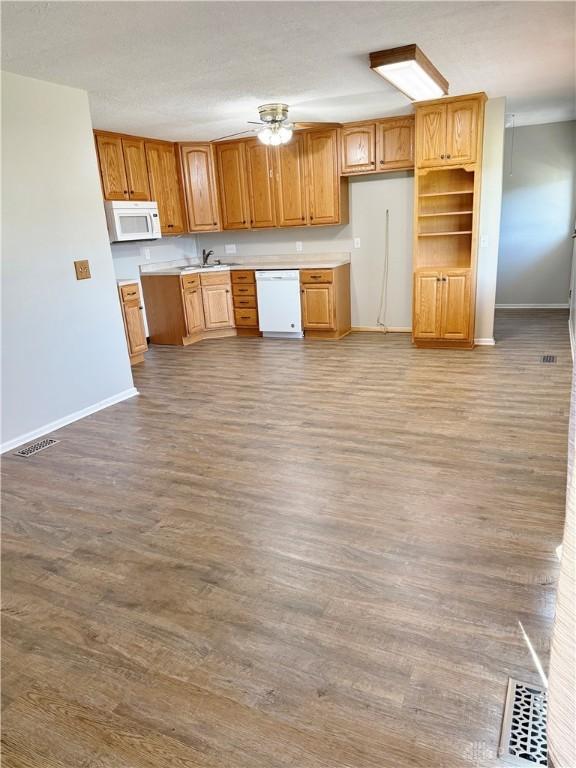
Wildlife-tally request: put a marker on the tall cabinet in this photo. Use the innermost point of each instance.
(446, 207)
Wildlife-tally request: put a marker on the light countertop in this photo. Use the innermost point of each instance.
(319, 261)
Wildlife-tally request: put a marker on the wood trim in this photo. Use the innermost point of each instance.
(404, 53)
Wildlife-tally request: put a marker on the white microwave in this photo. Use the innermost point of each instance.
(129, 220)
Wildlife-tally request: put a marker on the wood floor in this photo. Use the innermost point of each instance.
(289, 554)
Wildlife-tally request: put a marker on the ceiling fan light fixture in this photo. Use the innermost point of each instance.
(409, 70)
(275, 134)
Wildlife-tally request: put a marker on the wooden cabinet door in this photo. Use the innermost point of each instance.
(232, 185)
(427, 304)
(396, 144)
(200, 187)
(165, 186)
(112, 169)
(135, 332)
(260, 184)
(323, 178)
(218, 307)
(193, 310)
(291, 198)
(455, 304)
(461, 131)
(136, 169)
(430, 135)
(318, 308)
(358, 145)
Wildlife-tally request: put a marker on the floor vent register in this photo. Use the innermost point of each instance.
(30, 450)
(523, 741)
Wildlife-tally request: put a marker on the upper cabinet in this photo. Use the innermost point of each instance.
(395, 144)
(232, 184)
(136, 169)
(323, 178)
(200, 187)
(448, 131)
(260, 176)
(165, 185)
(123, 170)
(378, 145)
(112, 168)
(358, 146)
(291, 192)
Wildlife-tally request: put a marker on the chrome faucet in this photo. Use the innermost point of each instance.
(205, 256)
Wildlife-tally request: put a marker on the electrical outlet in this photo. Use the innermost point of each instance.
(82, 269)
(230, 248)
(298, 246)
(356, 242)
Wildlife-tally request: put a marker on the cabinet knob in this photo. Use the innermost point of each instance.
(214, 223)
(441, 157)
(131, 191)
(125, 191)
(311, 218)
(243, 221)
(170, 225)
(302, 218)
(448, 156)
(381, 162)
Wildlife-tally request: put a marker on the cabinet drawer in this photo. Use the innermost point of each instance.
(243, 276)
(316, 276)
(247, 302)
(130, 292)
(215, 278)
(246, 318)
(243, 290)
(190, 281)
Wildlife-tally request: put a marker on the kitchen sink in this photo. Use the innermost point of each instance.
(208, 268)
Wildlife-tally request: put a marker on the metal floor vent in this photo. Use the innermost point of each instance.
(548, 359)
(523, 740)
(30, 450)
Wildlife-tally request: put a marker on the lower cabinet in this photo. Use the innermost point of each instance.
(442, 305)
(131, 304)
(245, 302)
(325, 301)
(218, 307)
(193, 306)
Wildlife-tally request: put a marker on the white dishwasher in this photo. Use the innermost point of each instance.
(278, 292)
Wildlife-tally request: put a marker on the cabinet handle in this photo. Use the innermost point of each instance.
(444, 279)
(311, 218)
(243, 221)
(438, 279)
(315, 277)
(214, 223)
(170, 225)
(302, 218)
(448, 156)
(131, 191)
(125, 191)
(381, 162)
(227, 290)
(244, 317)
(441, 157)
(140, 307)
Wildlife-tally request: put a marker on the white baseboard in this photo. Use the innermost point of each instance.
(484, 342)
(572, 339)
(63, 422)
(532, 306)
(379, 329)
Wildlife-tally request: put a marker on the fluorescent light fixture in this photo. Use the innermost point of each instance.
(409, 70)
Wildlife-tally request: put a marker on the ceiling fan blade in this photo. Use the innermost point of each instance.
(232, 135)
(255, 122)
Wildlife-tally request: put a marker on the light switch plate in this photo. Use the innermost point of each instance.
(82, 269)
(356, 242)
(298, 246)
(230, 248)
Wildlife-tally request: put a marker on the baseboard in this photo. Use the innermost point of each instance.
(379, 329)
(572, 339)
(532, 306)
(63, 422)
(484, 342)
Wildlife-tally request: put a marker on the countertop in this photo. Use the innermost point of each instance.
(321, 261)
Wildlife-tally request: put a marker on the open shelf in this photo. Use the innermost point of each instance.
(452, 192)
(444, 234)
(445, 213)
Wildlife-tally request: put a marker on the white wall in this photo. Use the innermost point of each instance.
(537, 215)
(63, 344)
(370, 197)
(490, 209)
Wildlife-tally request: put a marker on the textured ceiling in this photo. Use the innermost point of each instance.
(198, 70)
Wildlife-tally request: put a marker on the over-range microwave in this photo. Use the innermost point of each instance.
(129, 220)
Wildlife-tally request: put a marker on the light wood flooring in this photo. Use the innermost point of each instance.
(289, 554)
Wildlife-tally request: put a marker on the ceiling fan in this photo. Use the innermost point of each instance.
(273, 126)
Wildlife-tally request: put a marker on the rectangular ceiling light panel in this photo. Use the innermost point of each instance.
(409, 70)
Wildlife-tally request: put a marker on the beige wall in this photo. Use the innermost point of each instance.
(63, 343)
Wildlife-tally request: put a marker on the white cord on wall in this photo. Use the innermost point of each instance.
(381, 321)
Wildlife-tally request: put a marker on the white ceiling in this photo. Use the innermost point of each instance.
(198, 70)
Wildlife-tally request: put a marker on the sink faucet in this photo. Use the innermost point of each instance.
(205, 256)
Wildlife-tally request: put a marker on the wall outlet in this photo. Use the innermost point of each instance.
(356, 242)
(230, 248)
(146, 253)
(298, 246)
